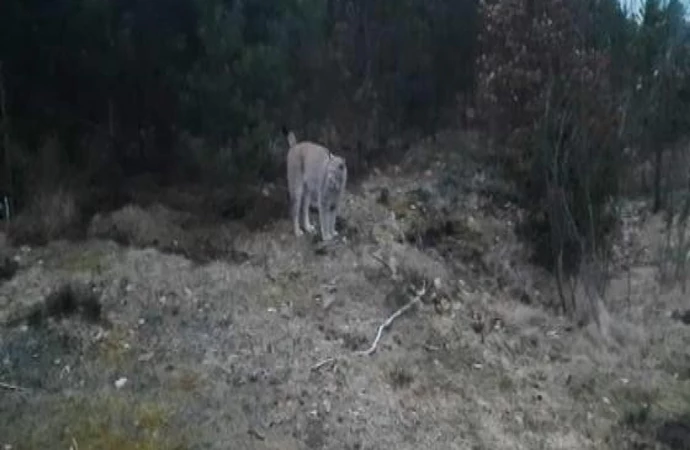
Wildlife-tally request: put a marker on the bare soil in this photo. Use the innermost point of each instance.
(256, 346)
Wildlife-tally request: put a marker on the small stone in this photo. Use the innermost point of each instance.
(120, 382)
(329, 300)
(145, 357)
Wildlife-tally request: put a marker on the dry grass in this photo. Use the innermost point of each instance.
(134, 225)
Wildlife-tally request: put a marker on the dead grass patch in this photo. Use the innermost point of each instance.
(652, 416)
(134, 225)
(50, 215)
(170, 231)
(112, 423)
(80, 260)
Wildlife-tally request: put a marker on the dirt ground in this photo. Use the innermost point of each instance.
(111, 346)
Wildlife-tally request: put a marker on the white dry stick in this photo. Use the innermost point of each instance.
(322, 363)
(11, 387)
(390, 320)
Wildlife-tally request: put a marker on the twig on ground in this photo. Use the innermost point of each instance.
(322, 363)
(268, 273)
(256, 433)
(223, 367)
(431, 348)
(417, 298)
(384, 263)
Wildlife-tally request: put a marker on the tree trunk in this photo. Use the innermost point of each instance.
(7, 151)
(658, 159)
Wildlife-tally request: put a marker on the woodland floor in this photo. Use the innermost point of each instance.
(255, 346)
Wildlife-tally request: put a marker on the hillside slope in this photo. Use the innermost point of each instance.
(158, 351)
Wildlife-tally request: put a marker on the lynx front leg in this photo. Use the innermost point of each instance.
(306, 203)
(331, 217)
(323, 219)
(334, 232)
(338, 199)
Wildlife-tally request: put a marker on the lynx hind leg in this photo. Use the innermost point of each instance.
(306, 203)
(296, 205)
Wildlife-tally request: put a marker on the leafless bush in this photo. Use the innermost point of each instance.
(675, 249)
(549, 98)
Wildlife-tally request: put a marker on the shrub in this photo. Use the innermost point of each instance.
(549, 99)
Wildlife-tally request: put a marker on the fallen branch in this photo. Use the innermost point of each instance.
(417, 298)
(11, 387)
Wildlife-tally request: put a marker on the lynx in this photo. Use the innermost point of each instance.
(315, 177)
